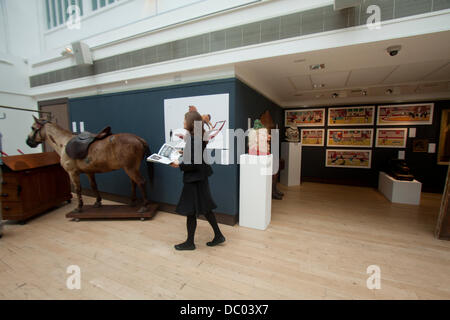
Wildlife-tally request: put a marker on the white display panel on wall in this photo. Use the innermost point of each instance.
(216, 105)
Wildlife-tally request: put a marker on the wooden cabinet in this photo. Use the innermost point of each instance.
(32, 184)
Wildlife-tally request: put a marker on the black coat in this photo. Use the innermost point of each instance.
(196, 196)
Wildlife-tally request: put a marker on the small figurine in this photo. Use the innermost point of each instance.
(292, 134)
(399, 170)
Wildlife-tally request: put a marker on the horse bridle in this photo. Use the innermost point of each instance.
(36, 131)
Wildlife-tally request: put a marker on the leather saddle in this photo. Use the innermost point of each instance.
(78, 146)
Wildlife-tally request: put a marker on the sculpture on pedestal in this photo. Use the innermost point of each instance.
(292, 134)
(259, 144)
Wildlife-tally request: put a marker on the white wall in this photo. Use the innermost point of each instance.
(21, 29)
(16, 126)
(108, 30)
(14, 91)
(3, 24)
(14, 83)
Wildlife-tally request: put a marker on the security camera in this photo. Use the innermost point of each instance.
(393, 51)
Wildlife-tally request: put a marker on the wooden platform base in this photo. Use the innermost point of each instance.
(113, 212)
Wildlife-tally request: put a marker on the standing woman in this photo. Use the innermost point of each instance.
(196, 196)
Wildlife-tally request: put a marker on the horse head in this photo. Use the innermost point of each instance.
(37, 134)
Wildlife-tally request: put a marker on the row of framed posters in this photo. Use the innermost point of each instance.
(408, 114)
(362, 138)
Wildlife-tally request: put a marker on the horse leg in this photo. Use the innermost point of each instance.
(98, 202)
(136, 176)
(75, 178)
(133, 193)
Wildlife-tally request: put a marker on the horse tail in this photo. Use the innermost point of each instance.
(147, 153)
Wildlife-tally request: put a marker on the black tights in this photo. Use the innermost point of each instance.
(191, 224)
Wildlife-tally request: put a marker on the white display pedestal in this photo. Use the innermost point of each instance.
(397, 191)
(255, 191)
(291, 152)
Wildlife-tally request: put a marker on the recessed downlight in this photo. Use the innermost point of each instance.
(318, 85)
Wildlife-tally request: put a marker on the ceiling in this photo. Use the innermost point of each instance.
(358, 74)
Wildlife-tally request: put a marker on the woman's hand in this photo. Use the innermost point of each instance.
(175, 164)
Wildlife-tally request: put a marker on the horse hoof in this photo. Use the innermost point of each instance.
(143, 209)
(97, 204)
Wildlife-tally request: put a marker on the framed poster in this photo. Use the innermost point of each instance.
(313, 137)
(350, 138)
(405, 114)
(391, 138)
(351, 116)
(338, 158)
(305, 118)
(444, 139)
(216, 106)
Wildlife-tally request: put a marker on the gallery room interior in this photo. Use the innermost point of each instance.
(242, 149)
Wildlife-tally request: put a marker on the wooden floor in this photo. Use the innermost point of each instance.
(318, 246)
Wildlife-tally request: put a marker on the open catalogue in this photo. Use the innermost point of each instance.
(166, 155)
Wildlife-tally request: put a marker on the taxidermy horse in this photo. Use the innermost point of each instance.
(105, 152)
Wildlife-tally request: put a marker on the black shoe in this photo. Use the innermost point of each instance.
(216, 241)
(185, 246)
(276, 196)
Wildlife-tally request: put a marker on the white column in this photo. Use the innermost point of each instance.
(291, 152)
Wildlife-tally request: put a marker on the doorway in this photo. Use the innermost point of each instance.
(59, 114)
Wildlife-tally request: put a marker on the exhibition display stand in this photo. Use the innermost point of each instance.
(398, 191)
(291, 152)
(255, 191)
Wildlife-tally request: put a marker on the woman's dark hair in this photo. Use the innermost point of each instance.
(190, 118)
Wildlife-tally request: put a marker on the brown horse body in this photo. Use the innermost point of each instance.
(116, 151)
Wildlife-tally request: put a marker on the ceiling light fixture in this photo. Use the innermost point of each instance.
(67, 51)
(335, 95)
(318, 85)
(389, 91)
(364, 93)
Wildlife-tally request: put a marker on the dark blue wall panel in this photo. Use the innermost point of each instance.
(252, 104)
(142, 113)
